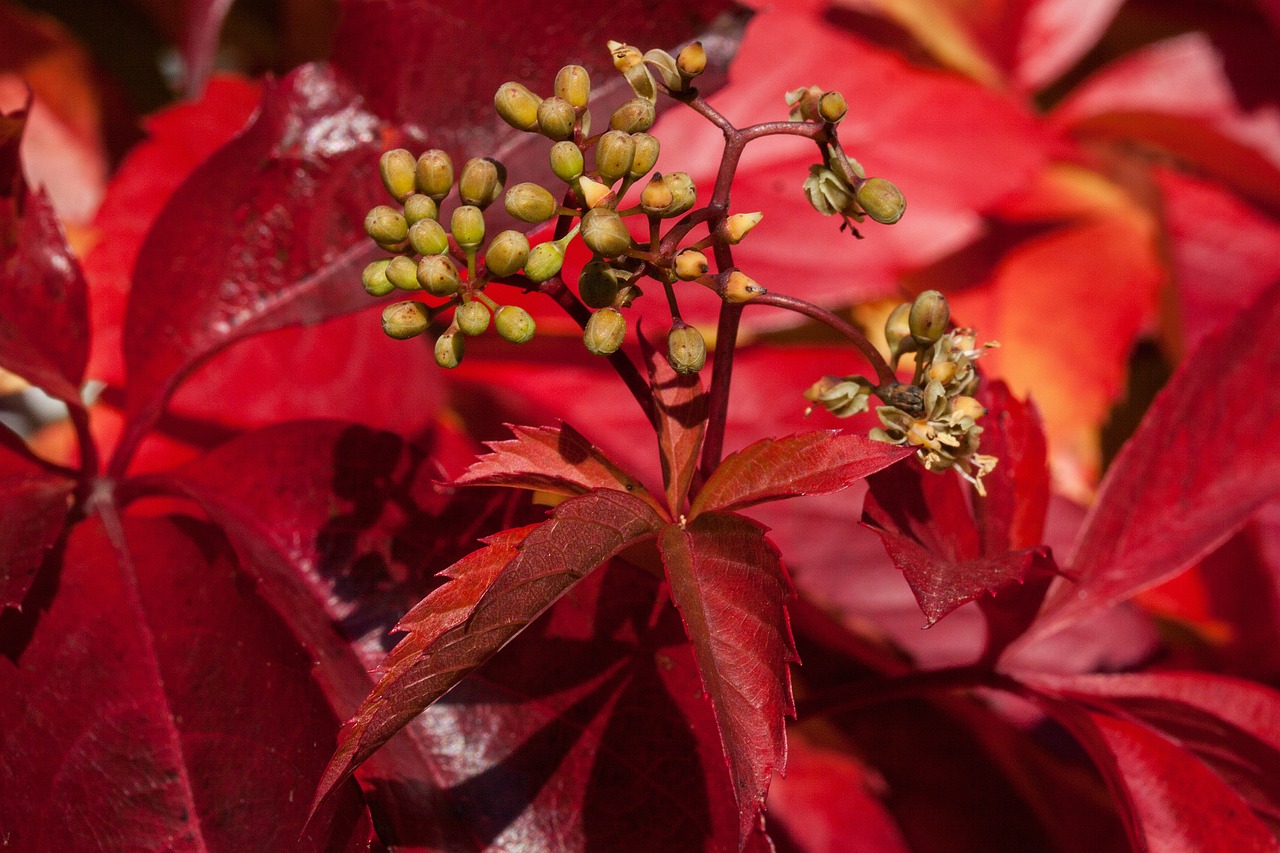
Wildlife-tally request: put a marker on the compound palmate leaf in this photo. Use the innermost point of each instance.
(582, 533)
(35, 502)
(731, 589)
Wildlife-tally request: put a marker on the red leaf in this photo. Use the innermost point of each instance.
(1199, 463)
(582, 533)
(35, 502)
(156, 687)
(812, 463)
(681, 407)
(44, 325)
(923, 520)
(557, 460)
(729, 584)
(1169, 799)
(1013, 513)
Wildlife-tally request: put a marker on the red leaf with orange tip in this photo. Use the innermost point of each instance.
(731, 589)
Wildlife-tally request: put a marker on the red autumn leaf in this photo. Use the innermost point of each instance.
(731, 589)
(153, 687)
(681, 414)
(43, 308)
(582, 533)
(1013, 513)
(559, 460)
(925, 524)
(812, 463)
(1190, 476)
(35, 501)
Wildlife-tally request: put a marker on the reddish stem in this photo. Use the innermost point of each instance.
(776, 300)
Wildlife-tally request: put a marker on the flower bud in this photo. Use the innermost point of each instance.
(573, 84)
(404, 320)
(545, 260)
(684, 195)
(514, 323)
(929, 317)
(438, 275)
(566, 160)
(691, 264)
(656, 196)
(604, 232)
(897, 330)
(804, 103)
(434, 174)
(386, 224)
(480, 182)
(832, 107)
(605, 331)
(517, 106)
(614, 152)
(692, 59)
(427, 237)
(555, 118)
(739, 287)
(403, 273)
(467, 226)
(374, 278)
(506, 254)
(418, 207)
(686, 350)
(530, 202)
(635, 116)
(882, 200)
(472, 318)
(738, 225)
(827, 192)
(646, 156)
(597, 284)
(448, 350)
(397, 167)
(967, 407)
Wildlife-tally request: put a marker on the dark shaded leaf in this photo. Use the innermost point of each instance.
(154, 688)
(812, 463)
(1201, 461)
(681, 407)
(582, 533)
(731, 589)
(35, 501)
(44, 314)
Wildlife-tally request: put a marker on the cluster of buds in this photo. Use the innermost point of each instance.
(937, 413)
(427, 258)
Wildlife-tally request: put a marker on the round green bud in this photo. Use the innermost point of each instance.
(882, 200)
(507, 253)
(427, 237)
(614, 152)
(597, 284)
(517, 106)
(692, 59)
(545, 260)
(472, 318)
(438, 275)
(832, 107)
(691, 264)
(480, 182)
(397, 168)
(604, 232)
(467, 226)
(555, 118)
(385, 224)
(530, 202)
(635, 116)
(403, 273)
(448, 350)
(566, 160)
(684, 195)
(573, 84)
(434, 174)
(374, 278)
(418, 207)
(686, 350)
(514, 323)
(404, 320)
(605, 331)
(929, 316)
(646, 156)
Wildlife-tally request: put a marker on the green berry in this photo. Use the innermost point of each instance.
(556, 118)
(434, 174)
(566, 160)
(686, 350)
(480, 182)
(635, 116)
(374, 278)
(514, 323)
(438, 275)
(882, 200)
(545, 260)
(530, 202)
(573, 84)
(614, 152)
(404, 320)
(397, 167)
(597, 284)
(930, 314)
(427, 237)
(418, 207)
(467, 225)
(403, 273)
(646, 156)
(507, 253)
(385, 224)
(517, 106)
(472, 318)
(605, 331)
(448, 350)
(605, 233)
